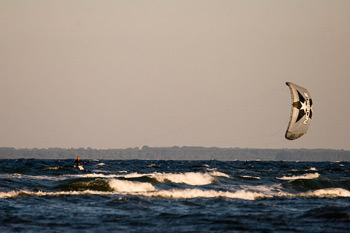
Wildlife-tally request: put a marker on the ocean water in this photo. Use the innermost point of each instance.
(174, 196)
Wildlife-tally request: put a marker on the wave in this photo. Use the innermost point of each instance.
(198, 193)
(93, 175)
(251, 177)
(189, 178)
(122, 187)
(23, 193)
(81, 185)
(329, 212)
(311, 169)
(309, 176)
(131, 186)
(30, 177)
(153, 165)
(53, 168)
(173, 194)
(330, 192)
(219, 174)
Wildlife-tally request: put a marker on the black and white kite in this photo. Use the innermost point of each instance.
(302, 111)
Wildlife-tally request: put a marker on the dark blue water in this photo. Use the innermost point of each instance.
(174, 196)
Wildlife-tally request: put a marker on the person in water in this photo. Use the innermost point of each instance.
(78, 162)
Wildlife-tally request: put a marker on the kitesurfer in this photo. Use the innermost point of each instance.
(78, 163)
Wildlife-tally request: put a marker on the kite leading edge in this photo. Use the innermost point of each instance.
(301, 114)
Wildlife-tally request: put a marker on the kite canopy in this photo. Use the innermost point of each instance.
(302, 111)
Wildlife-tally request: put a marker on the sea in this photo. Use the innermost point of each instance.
(174, 196)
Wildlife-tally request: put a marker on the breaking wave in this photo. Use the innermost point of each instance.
(309, 176)
(189, 178)
(24, 193)
(331, 192)
(198, 193)
(148, 190)
(311, 169)
(219, 174)
(131, 186)
(30, 177)
(251, 177)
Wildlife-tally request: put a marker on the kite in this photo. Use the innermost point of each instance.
(302, 111)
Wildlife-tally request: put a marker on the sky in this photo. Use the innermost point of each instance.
(120, 74)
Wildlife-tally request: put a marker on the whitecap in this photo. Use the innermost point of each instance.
(251, 177)
(330, 192)
(53, 168)
(14, 194)
(198, 193)
(142, 189)
(211, 169)
(9, 194)
(135, 175)
(308, 176)
(190, 178)
(94, 175)
(130, 186)
(153, 165)
(311, 169)
(218, 174)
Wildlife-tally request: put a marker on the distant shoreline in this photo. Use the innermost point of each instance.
(180, 153)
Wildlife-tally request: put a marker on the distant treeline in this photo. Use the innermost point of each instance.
(179, 153)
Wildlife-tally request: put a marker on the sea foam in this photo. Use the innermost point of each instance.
(130, 186)
(148, 190)
(308, 176)
(198, 193)
(251, 177)
(189, 178)
(330, 192)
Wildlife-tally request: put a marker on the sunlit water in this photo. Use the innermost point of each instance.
(176, 196)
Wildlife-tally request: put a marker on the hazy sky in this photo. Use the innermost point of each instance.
(118, 74)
